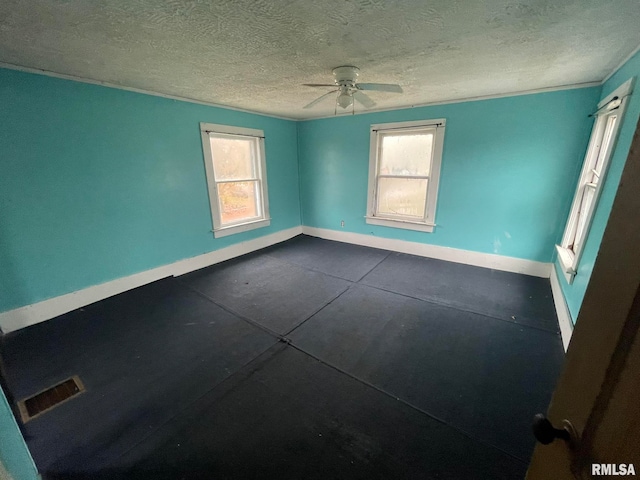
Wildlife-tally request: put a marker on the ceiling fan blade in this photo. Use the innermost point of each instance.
(380, 87)
(319, 99)
(319, 84)
(364, 99)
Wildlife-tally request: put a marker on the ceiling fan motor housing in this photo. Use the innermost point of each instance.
(346, 75)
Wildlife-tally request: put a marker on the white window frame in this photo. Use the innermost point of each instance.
(428, 223)
(207, 130)
(614, 104)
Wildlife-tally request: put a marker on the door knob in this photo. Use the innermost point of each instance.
(546, 433)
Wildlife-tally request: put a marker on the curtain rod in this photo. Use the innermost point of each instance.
(236, 134)
(415, 127)
(613, 104)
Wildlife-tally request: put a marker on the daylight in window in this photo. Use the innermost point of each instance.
(404, 170)
(594, 169)
(235, 165)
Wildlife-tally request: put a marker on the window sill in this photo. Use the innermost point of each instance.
(566, 258)
(243, 227)
(407, 225)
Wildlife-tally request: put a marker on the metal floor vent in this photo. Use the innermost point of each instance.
(45, 400)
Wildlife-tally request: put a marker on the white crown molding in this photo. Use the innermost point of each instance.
(463, 100)
(620, 65)
(48, 73)
(38, 312)
(478, 259)
(562, 310)
(64, 76)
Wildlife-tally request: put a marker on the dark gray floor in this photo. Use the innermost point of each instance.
(466, 369)
(309, 359)
(509, 296)
(273, 293)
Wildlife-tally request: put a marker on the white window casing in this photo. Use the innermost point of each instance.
(253, 140)
(427, 179)
(604, 134)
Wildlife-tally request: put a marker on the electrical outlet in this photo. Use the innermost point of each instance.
(342, 223)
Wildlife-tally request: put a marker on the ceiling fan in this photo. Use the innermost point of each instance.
(346, 79)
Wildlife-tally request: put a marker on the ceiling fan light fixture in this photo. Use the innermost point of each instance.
(349, 90)
(345, 100)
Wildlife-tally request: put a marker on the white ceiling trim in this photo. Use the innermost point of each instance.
(621, 64)
(74, 78)
(462, 100)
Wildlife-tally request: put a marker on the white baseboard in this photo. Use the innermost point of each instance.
(38, 312)
(562, 310)
(487, 260)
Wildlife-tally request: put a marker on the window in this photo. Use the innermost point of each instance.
(404, 168)
(594, 169)
(236, 175)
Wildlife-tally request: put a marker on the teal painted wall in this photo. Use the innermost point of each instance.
(98, 183)
(14, 455)
(508, 171)
(574, 293)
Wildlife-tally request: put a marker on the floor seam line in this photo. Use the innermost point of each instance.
(241, 368)
(404, 402)
(304, 267)
(317, 311)
(441, 304)
(374, 267)
(267, 330)
(389, 252)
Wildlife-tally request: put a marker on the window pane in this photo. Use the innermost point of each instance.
(239, 201)
(402, 197)
(584, 214)
(605, 145)
(233, 159)
(408, 154)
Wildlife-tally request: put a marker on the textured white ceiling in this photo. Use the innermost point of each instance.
(255, 54)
